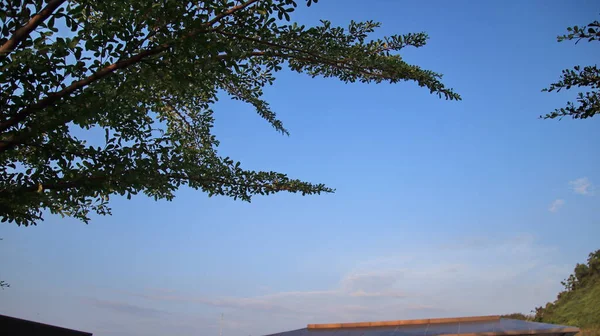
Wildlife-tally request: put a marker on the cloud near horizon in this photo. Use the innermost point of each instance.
(515, 274)
(125, 308)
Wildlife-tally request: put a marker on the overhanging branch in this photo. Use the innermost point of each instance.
(22, 33)
(106, 71)
(91, 180)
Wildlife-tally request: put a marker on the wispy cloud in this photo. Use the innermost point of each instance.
(466, 243)
(582, 186)
(369, 281)
(262, 303)
(127, 308)
(556, 205)
(352, 287)
(389, 294)
(426, 308)
(514, 272)
(119, 316)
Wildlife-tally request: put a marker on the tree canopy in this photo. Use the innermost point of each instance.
(145, 74)
(588, 103)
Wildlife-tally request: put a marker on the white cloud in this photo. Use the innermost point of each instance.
(582, 186)
(556, 205)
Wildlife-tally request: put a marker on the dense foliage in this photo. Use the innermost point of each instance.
(588, 103)
(144, 75)
(579, 304)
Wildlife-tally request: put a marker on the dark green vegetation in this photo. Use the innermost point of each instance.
(578, 304)
(588, 103)
(519, 316)
(143, 76)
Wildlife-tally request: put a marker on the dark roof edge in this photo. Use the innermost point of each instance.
(279, 333)
(44, 324)
(565, 330)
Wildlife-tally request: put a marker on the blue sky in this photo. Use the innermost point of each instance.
(442, 208)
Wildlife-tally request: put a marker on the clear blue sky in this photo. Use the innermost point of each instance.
(442, 208)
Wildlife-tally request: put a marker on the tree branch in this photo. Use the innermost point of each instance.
(82, 181)
(230, 11)
(340, 64)
(267, 43)
(22, 33)
(54, 97)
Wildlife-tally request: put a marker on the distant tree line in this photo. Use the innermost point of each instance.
(583, 276)
(519, 316)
